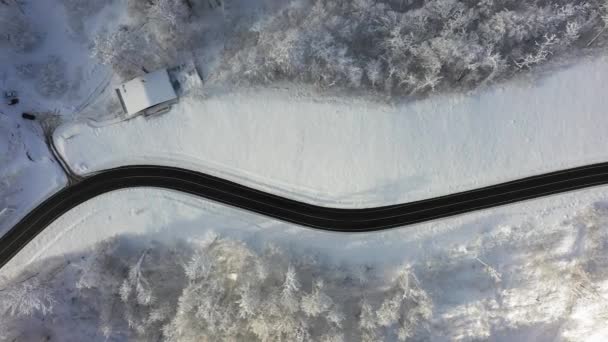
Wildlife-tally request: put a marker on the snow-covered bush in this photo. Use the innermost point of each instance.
(16, 29)
(52, 79)
(411, 47)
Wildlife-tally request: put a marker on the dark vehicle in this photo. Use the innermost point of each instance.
(28, 116)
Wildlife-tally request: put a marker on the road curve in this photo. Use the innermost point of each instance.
(331, 219)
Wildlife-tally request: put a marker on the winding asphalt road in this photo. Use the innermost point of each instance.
(331, 219)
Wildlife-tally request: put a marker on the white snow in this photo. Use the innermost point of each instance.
(85, 78)
(493, 274)
(355, 153)
(28, 172)
(525, 270)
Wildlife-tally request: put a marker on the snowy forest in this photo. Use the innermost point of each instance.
(410, 47)
(214, 289)
(392, 47)
(398, 47)
(538, 280)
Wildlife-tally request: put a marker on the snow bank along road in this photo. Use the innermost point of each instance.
(333, 219)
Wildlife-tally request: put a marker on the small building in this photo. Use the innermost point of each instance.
(149, 94)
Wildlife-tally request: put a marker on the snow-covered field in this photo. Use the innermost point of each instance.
(531, 271)
(355, 153)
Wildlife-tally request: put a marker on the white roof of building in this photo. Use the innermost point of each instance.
(146, 91)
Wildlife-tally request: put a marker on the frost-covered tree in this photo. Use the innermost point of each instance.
(290, 290)
(26, 298)
(543, 51)
(236, 293)
(126, 290)
(22, 302)
(136, 293)
(136, 287)
(604, 17)
(217, 289)
(159, 32)
(410, 47)
(367, 318)
(316, 302)
(128, 51)
(373, 71)
(172, 12)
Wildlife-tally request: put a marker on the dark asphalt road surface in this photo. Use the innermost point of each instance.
(323, 218)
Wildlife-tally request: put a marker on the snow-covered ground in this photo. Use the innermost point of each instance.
(28, 171)
(533, 270)
(76, 79)
(529, 271)
(352, 152)
(56, 76)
